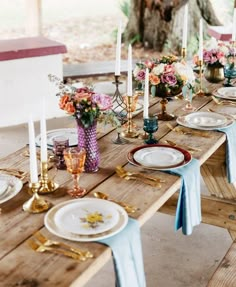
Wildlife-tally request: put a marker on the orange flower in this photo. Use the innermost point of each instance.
(69, 107)
(63, 100)
(154, 80)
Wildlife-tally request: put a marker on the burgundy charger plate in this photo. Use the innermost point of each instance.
(187, 157)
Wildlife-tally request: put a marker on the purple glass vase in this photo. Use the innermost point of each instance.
(87, 138)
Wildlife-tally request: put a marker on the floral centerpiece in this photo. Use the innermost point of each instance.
(88, 107)
(167, 75)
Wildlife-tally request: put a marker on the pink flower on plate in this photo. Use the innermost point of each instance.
(169, 78)
(141, 75)
(103, 101)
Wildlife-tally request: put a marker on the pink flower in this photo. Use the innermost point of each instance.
(169, 69)
(149, 64)
(103, 101)
(169, 78)
(141, 75)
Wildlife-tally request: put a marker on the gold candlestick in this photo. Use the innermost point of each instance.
(183, 53)
(36, 204)
(46, 185)
(200, 92)
(130, 132)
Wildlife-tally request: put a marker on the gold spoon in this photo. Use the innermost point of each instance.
(128, 208)
(186, 146)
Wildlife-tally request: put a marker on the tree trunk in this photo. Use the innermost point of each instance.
(158, 23)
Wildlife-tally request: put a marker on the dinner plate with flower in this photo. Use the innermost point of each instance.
(91, 219)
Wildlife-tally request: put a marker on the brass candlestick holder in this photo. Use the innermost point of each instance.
(36, 204)
(200, 92)
(130, 131)
(120, 110)
(183, 53)
(46, 185)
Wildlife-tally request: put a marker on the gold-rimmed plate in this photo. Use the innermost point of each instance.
(155, 164)
(181, 120)
(53, 227)
(227, 93)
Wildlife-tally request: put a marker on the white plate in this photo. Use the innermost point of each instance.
(182, 121)
(228, 93)
(51, 225)
(12, 185)
(158, 157)
(206, 119)
(87, 217)
(69, 133)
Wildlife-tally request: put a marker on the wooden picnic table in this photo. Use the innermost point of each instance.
(19, 263)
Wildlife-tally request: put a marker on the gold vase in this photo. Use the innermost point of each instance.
(214, 74)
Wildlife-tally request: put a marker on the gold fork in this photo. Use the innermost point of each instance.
(48, 242)
(144, 180)
(186, 132)
(17, 173)
(42, 248)
(172, 143)
(133, 173)
(223, 102)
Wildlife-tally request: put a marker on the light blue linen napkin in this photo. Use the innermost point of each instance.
(127, 256)
(188, 211)
(230, 133)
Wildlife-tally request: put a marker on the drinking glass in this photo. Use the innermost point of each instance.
(150, 126)
(188, 96)
(229, 71)
(74, 159)
(59, 144)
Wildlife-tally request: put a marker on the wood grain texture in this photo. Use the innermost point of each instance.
(20, 264)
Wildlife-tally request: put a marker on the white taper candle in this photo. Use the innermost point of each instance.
(200, 53)
(43, 134)
(32, 149)
(118, 51)
(129, 80)
(234, 26)
(185, 27)
(146, 96)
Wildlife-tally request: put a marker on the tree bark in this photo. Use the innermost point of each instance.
(157, 23)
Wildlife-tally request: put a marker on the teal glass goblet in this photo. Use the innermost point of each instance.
(150, 125)
(229, 73)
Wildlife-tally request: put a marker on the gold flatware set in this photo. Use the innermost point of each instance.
(186, 131)
(14, 172)
(40, 243)
(223, 102)
(127, 207)
(189, 148)
(129, 175)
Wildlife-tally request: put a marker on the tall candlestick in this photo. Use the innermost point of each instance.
(129, 81)
(146, 96)
(32, 149)
(200, 41)
(234, 26)
(43, 135)
(185, 27)
(118, 51)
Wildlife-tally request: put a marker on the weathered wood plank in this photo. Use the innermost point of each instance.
(225, 275)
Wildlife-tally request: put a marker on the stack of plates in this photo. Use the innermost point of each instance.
(228, 93)
(159, 157)
(205, 120)
(69, 133)
(9, 187)
(86, 219)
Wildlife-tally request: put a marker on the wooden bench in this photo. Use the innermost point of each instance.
(225, 274)
(94, 69)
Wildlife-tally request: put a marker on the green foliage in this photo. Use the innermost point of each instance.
(125, 7)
